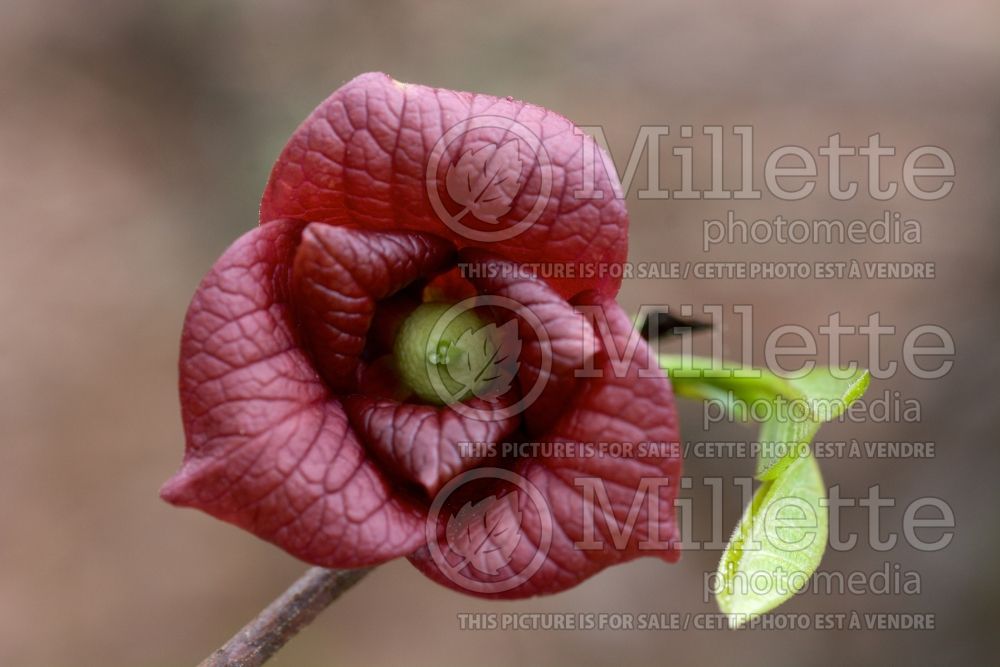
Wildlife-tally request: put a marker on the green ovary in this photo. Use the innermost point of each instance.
(443, 356)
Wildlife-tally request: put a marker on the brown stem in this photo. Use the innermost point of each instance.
(282, 619)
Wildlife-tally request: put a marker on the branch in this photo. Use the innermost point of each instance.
(282, 619)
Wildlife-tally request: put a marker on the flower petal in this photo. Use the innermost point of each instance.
(604, 507)
(339, 274)
(362, 157)
(429, 444)
(556, 339)
(268, 448)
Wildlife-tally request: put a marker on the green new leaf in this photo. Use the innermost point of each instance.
(818, 397)
(702, 378)
(793, 408)
(777, 545)
(781, 537)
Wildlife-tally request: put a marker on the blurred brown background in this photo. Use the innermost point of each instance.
(135, 140)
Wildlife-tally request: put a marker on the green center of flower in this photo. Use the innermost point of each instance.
(445, 354)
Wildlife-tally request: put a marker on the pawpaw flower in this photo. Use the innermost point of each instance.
(379, 369)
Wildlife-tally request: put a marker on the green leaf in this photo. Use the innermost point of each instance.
(702, 377)
(776, 546)
(820, 396)
(796, 407)
(781, 538)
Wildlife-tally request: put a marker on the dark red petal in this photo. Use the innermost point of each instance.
(449, 286)
(556, 339)
(361, 159)
(268, 448)
(429, 444)
(637, 408)
(339, 274)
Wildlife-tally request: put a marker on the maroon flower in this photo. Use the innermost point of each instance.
(307, 419)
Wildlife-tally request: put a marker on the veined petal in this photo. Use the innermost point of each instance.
(429, 444)
(268, 448)
(601, 508)
(557, 340)
(362, 157)
(338, 276)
